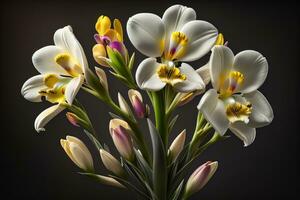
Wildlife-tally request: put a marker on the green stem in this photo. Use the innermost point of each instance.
(160, 115)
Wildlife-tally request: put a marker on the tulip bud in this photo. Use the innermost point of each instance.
(136, 100)
(111, 163)
(177, 145)
(78, 153)
(124, 105)
(119, 131)
(73, 119)
(200, 177)
(99, 54)
(102, 77)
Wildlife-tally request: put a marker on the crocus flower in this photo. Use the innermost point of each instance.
(78, 153)
(62, 67)
(200, 177)
(177, 36)
(234, 102)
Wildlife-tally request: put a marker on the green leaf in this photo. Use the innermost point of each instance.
(146, 169)
(172, 123)
(103, 179)
(94, 140)
(159, 163)
(113, 115)
(177, 192)
(131, 61)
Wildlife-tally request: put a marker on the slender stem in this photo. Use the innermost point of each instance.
(160, 115)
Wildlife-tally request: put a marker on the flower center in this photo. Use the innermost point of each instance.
(238, 112)
(229, 85)
(177, 46)
(170, 75)
(55, 91)
(66, 62)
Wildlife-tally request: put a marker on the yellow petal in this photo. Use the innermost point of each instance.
(220, 39)
(103, 24)
(118, 29)
(112, 34)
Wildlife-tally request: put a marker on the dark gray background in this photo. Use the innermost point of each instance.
(35, 166)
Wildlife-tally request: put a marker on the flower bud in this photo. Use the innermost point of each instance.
(78, 153)
(200, 177)
(124, 105)
(136, 100)
(177, 145)
(102, 77)
(119, 47)
(73, 119)
(111, 163)
(119, 131)
(99, 54)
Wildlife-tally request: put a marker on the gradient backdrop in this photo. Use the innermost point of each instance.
(35, 166)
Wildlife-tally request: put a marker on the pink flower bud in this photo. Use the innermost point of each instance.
(121, 138)
(200, 177)
(136, 100)
(73, 119)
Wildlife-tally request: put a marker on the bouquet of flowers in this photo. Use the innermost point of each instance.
(157, 171)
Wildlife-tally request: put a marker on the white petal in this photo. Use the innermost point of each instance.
(146, 32)
(204, 72)
(201, 38)
(262, 113)
(44, 117)
(213, 110)
(254, 67)
(82, 158)
(244, 132)
(193, 80)
(72, 88)
(221, 61)
(66, 39)
(44, 60)
(30, 89)
(175, 17)
(146, 76)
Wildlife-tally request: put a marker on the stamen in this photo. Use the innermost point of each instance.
(238, 112)
(170, 75)
(66, 62)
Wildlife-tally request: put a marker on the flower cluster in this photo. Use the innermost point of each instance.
(170, 43)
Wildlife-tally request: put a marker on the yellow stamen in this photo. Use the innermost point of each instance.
(66, 62)
(170, 75)
(238, 112)
(220, 39)
(179, 38)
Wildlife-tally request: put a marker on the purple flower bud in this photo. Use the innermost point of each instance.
(137, 103)
(119, 47)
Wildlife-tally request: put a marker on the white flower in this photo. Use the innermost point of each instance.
(175, 36)
(234, 102)
(62, 67)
